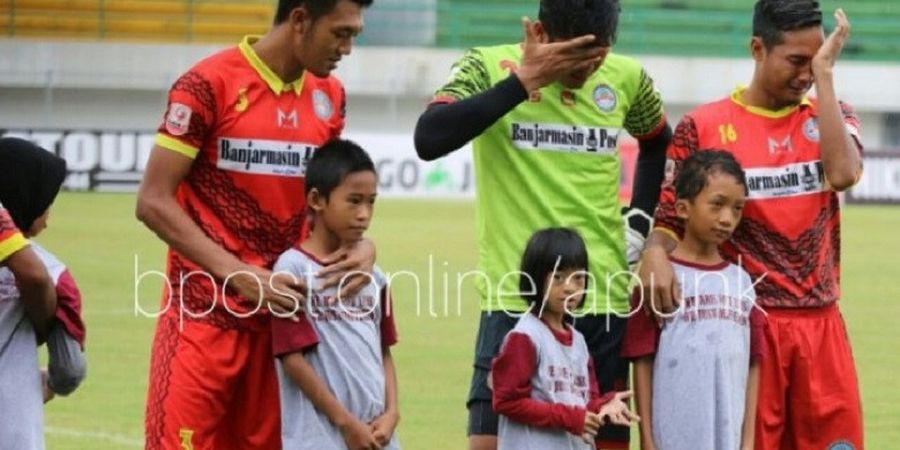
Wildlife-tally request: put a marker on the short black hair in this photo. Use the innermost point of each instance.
(549, 249)
(315, 8)
(566, 19)
(771, 18)
(333, 162)
(696, 169)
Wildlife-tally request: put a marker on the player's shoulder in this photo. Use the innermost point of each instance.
(494, 52)
(710, 110)
(215, 65)
(621, 62)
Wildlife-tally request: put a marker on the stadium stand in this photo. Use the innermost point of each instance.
(664, 27)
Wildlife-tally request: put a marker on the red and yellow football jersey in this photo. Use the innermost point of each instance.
(790, 231)
(11, 240)
(250, 135)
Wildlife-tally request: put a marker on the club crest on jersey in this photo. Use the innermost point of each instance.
(811, 129)
(178, 121)
(605, 98)
(322, 104)
(841, 445)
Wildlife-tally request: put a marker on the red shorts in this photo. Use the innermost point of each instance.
(808, 390)
(212, 388)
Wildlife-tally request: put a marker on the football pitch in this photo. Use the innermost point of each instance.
(97, 236)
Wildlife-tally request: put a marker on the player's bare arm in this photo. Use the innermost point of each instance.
(385, 424)
(840, 151)
(36, 289)
(662, 294)
(158, 209)
(357, 435)
(748, 429)
(545, 62)
(643, 399)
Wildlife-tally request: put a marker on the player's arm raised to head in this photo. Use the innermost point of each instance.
(464, 107)
(35, 286)
(838, 126)
(158, 209)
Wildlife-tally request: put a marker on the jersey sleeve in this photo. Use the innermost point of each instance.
(388, 328)
(11, 239)
(68, 306)
(469, 76)
(511, 373)
(685, 141)
(289, 336)
(646, 116)
(190, 115)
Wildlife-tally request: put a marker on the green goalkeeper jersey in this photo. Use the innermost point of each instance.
(554, 161)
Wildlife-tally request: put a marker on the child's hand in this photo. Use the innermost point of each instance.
(383, 427)
(359, 436)
(592, 422)
(48, 393)
(617, 410)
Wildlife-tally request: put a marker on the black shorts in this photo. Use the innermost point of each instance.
(604, 342)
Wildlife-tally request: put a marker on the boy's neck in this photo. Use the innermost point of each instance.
(691, 249)
(321, 242)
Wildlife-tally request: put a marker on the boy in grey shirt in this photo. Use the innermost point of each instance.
(696, 379)
(337, 382)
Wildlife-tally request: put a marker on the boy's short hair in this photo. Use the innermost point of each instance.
(332, 162)
(771, 18)
(559, 248)
(315, 8)
(566, 19)
(696, 169)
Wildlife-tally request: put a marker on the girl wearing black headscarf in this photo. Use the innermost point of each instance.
(30, 179)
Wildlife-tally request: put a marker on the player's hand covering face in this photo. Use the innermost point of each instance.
(545, 62)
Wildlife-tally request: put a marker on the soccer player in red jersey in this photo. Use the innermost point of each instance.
(224, 189)
(798, 153)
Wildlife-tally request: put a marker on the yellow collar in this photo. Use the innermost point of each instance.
(737, 97)
(275, 83)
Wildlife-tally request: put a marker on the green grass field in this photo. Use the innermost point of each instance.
(98, 237)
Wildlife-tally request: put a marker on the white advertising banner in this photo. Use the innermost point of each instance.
(114, 161)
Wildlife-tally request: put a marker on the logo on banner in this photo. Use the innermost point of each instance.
(322, 104)
(178, 121)
(787, 181)
(542, 136)
(261, 157)
(605, 98)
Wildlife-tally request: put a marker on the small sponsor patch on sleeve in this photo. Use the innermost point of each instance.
(178, 120)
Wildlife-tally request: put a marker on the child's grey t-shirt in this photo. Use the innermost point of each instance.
(343, 341)
(702, 359)
(21, 394)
